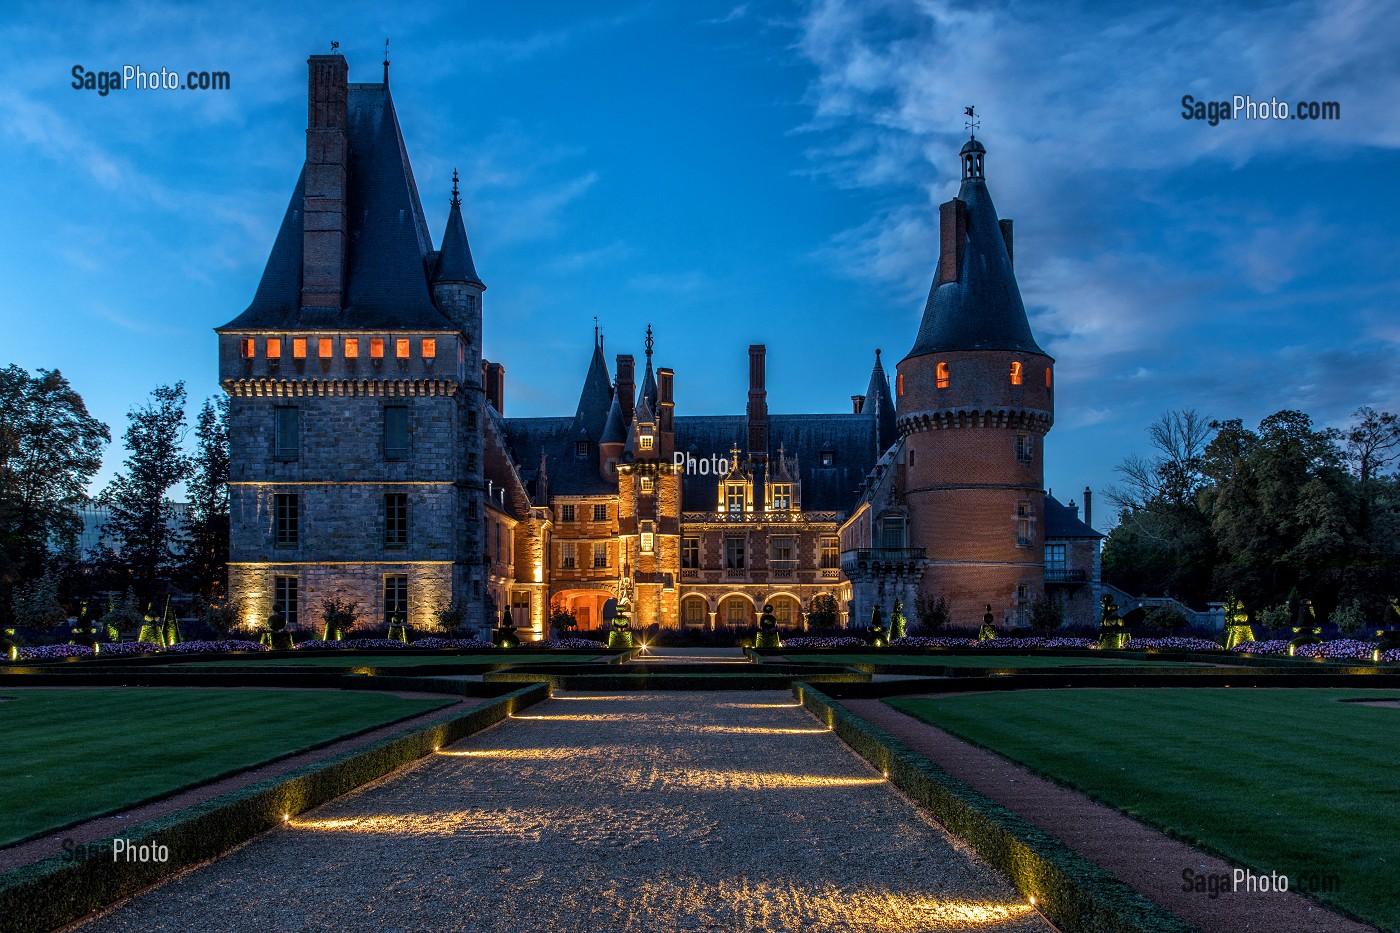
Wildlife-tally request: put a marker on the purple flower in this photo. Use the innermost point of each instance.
(354, 644)
(470, 644)
(1173, 644)
(202, 647)
(54, 652)
(811, 641)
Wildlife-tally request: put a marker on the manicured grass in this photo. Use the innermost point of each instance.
(392, 660)
(70, 755)
(1288, 780)
(981, 660)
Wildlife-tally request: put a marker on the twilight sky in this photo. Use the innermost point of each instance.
(762, 172)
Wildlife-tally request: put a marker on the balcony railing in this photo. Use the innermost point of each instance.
(1065, 575)
(754, 517)
(867, 554)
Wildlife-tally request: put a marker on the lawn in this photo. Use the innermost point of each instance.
(981, 660)
(71, 755)
(1287, 780)
(351, 659)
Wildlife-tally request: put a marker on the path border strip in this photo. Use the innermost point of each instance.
(53, 891)
(1074, 893)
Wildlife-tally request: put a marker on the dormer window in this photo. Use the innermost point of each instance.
(645, 441)
(782, 497)
(1016, 373)
(581, 450)
(734, 498)
(828, 458)
(940, 376)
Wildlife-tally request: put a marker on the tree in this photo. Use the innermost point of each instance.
(35, 604)
(141, 513)
(560, 617)
(824, 612)
(1047, 613)
(931, 614)
(50, 447)
(205, 551)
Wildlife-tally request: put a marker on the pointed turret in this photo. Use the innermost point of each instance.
(879, 405)
(648, 390)
(454, 261)
(592, 413)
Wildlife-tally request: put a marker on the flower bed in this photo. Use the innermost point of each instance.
(1173, 644)
(470, 644)
(809, 641)
(1392, 656)
(129, 649)
(930, 641)
(55, 652)
(200, 647)
(354, 644)
(1348, 649)
(1021, 644)
(1276, 646)
(565, 643)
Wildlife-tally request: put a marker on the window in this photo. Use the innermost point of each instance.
(471, 418)
(1023, 448)
(734, 556)
(568, 556)
(648, 484)
(734, 498)
(645, 441)
(941, 379)
(284, 599)
(471, 463)
(784, 609)
(828, 458)
(395, 432)
(566, 513)
(782, 497)
(520, 607)
(1024, 519)
(782, 549)
(395, 598)
(396, 519)
(899, 384)
(500, 554)
(471, 508)
(600, 514)
(285, 520)
(286, 430)
(299, 348)
(248, 347)
(892, 531)
(401, 350)
(1049, 379)
(1016, 373)
(1054, 558)
(376, 348)
(429, 348)
(352, 348)
(736, 611)
(1023, 602)
(325, 348)
(600, 556)
(693, 611)
(581, 450)
(648, 538)
(830, 553)
(471, 303)
(690, 553)
(274, 348)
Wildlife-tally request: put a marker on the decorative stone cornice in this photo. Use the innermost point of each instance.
(1019, 419)
(339, 388)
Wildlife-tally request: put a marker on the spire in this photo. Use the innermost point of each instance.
(386, 62)
(454, 262)
(880, 406)
(648, 390)
(592, 413)
(615, 429)
(974, 303)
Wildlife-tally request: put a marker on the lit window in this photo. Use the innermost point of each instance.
(567, 555)
(783, 609)
(566, 513)
(274, 348)
(648, 484)
(376, 348)
(782, 497)
(830, 553)
(693, 611)
(940, 376)
(1055, 558)
(299, 348)
(284, 599)
(401, 350)
(600, 514)
(600, 556)
(690, 553)
(396, 598)
(734, 498)
(395, 432)
(899, 384)
(1016, 373)
(827, 458)
(1049, 380)
(646, 440)
(648, 538)
(325, 348)
(249, 347)
(352, 348)
(429, 348)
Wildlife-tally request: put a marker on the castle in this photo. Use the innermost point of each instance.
(372, 460)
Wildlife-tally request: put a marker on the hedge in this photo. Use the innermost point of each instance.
(652, 680)
(1073, 892)
(54, 891)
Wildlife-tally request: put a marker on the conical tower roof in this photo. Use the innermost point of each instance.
(454, 262)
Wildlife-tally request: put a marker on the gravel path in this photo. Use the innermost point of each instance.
(644, 812)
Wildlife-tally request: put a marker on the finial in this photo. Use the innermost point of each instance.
(971, 124)
(877, 354)
(595, 333)
(386, 62)
(651, 341)
(334, 45)
(456, 198)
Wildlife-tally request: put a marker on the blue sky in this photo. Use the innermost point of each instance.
(761, 172)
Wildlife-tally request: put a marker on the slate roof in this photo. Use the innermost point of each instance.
(591, 416)
(388, 246)
(982, 310)
(554, 437)
(1061, 521)
(454, 261)
(879, 403)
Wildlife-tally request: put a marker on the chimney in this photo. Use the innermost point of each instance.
(857, 403)
(1088, 507)
(758, 402)
(952, 239)
(665, 402)
(493, 377)
(1006, 237)
(626, 385)
(323, 203)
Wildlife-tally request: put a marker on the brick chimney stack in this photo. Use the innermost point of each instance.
(493, 377)
(626, 385)
(857, 404)
(1088, 507)
(323, 206)
(952, 239)
(758, 402)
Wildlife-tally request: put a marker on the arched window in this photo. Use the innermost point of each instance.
(1049, 379)
(899, 384)
(940, 376)
(1016, 373)
(694, 611)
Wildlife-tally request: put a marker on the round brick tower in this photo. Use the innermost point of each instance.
(973, 401)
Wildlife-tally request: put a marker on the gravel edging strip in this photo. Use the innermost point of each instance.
(59, 889)
(1074, 893)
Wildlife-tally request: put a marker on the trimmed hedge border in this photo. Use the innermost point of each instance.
(647, 681)
(53, 891)
(1074, 893)
(159, 659)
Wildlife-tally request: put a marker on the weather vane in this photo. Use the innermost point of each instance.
(971, 124)
(334, 45)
